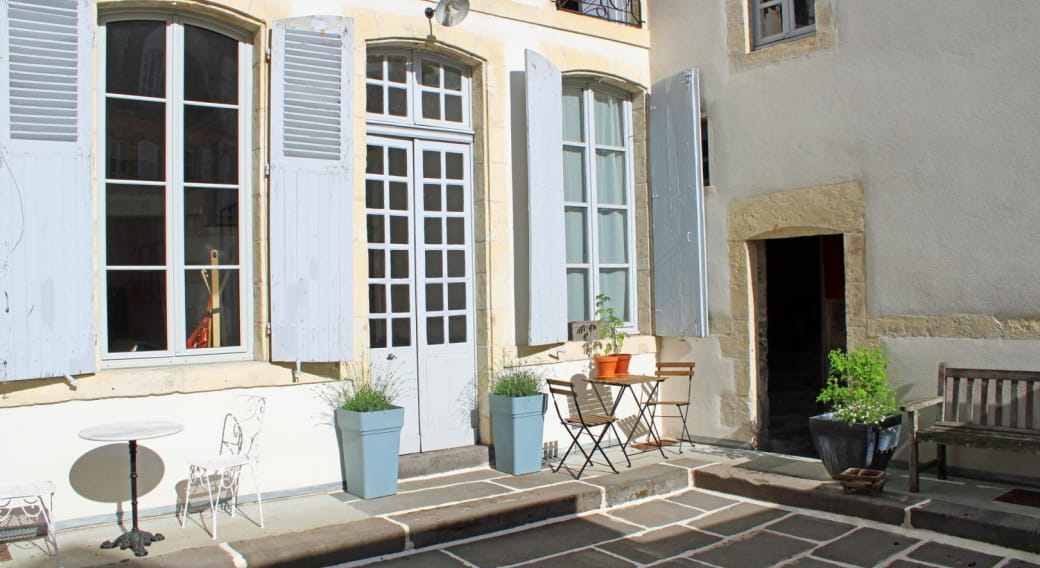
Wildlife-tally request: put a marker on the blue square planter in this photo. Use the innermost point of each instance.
(516, 424)
(369, 446)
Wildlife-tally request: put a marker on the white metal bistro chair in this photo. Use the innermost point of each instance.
(239, 448)
(23, 507)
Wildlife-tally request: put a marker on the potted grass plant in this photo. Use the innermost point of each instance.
(517, 406)
(613, 363)
(861, 428)
(368, 427)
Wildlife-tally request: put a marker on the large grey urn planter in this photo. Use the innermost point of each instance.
(841, 445)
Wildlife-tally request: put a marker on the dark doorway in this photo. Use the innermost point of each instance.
(805, 318)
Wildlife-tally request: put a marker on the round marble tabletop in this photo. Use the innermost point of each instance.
(130, 430)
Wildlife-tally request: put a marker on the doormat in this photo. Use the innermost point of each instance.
(1021, 497)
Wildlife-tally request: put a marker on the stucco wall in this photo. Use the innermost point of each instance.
(925, 106)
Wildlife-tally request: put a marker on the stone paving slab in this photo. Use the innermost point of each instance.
(655, 513)
(946, 555)
(660, 544)
(641, 483)
(865, 547)
(431, 559)
(996, 527)
(543, 541)
(701, 500)
(812, 528)
(438, 496)
(760, 549)
(587, 558)
(737, 519)
(324, 546)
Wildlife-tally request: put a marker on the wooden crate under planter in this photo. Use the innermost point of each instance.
(855, 479)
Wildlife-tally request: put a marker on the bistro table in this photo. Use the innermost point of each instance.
(627, 384)
(130, 432)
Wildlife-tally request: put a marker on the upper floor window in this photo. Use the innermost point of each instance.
(417, 88)
(775, 21)
(175, 141)
(598, 199)
(624, 11)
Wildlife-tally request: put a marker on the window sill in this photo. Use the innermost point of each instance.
(157, 381)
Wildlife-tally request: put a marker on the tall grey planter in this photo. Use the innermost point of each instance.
(369, 447)
(516, 424)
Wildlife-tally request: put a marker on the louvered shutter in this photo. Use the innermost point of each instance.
(311, 193)
(679, 272)
(46, 256)
(546, 236)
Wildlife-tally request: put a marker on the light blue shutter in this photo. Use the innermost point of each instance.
(46, 254)
(680, 284)
(311, 214)
(546, 236)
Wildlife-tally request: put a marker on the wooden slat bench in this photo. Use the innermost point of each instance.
(979, 408)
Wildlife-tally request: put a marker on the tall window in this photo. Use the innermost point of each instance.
(775, 21)
(597, 163)
(417, 88)
(176, 98)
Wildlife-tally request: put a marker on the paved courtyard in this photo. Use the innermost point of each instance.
(697, 528)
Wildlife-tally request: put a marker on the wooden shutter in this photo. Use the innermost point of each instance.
(680, 284)
(46, 245)
(546, 236)
(311, 189)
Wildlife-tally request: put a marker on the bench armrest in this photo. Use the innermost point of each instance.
(915, 405)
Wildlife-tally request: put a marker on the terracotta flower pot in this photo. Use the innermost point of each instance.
(606, 366)
(622, 365)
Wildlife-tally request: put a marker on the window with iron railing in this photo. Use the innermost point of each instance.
(624, 11)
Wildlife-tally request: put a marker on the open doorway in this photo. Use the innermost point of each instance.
(805, 318)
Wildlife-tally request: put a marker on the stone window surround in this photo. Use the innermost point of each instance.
(739, 43)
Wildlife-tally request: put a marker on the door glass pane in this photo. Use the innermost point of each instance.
(431, 105)
(613, 237)
(376, 299)
(574, 174)
(398, 161)
(457, 329)
(577, 294)
(210, 66)
(453, 108)
(400, 264)
(610, 177)
(456, 263)
(376, 232)
(398, 101)
(399, 230)
(431, 197)
(456, 229)
(614, 283)
(453, 165)
(573, 120)
(376, 264)
(135, 58)
(456, 198)
(434, 297)
(456, 296)
(212, 308)
(135, 225)
(136, 310)
(401, 332)
(434, 266)
(210, 144)
(431, 164)
(377, 333)
(575, 227)
(609, 125)
(135, 134)
(374, 159)
(398, 196)
(435, 331)
(400, 298)
(373, 194)
(433, 235)
(210, 226)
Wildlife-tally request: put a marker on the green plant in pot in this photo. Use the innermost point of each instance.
(613, 363)
(861, 428)
(517, 406)
(368, 428)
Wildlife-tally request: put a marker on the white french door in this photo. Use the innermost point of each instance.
(418, 200)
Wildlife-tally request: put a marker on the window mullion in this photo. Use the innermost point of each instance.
(175, 189)
(627, 136)
(588, 111)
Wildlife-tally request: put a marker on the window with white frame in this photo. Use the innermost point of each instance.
(598, 196)
(418, 88)
(775, 21)
(175, 141)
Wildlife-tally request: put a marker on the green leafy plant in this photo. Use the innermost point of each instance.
(609, 325)
(857, 386)
(516, 381)
(366, 388)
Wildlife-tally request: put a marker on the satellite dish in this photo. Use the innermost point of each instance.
(450, 12)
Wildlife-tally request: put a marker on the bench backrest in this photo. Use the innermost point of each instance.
(990, 397)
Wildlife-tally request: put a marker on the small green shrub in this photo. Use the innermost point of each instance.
(609, 325)
(857, 386)
(516, 381)
(366, 389)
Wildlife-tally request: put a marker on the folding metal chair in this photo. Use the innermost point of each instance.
(239, 447)
(580, 422)
(23, 507)
(676, 370)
